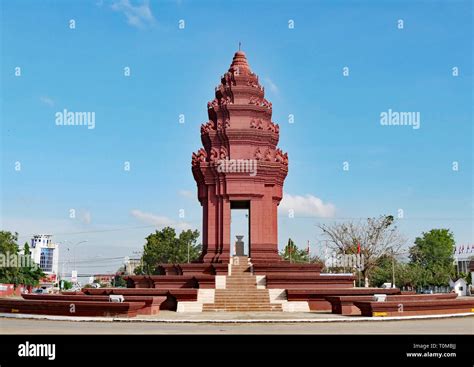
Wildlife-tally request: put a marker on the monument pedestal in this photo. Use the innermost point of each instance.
(239, 246)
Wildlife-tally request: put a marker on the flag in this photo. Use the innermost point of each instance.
(358, 247)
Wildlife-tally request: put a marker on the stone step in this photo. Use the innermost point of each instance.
(242, 296)
(241, 290)
(246, 309)
(231, 293)
(235, 305)
(248, 292)
(241, 309)
(243, 304)
(243, 279)
(240, 271)
(240, 300)
(243, 282)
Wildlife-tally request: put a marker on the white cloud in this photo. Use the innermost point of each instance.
(47, 101)
(159, 220)
(187, 194)
(307, 205)
(139, 15)
(86, 217)
(271, 85)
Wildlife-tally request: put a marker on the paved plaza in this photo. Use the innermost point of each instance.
(195, 325)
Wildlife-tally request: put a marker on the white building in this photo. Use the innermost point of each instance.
(463, 254)
(459, 286)
(131, 265)
(45, 253)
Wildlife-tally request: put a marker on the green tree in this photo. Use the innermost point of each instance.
(8, 251)
(383, 271)
(15, 273)
(293, 254)
(164, 247)
(119, 281)
(433, 252)
(66, 285)
(406, 274)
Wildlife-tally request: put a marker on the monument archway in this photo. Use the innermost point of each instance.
(240, 162)
(240, 228)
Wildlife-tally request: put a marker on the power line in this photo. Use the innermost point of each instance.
(94, 260)
(104, 230)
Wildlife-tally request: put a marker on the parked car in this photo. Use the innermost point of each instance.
(40, 291)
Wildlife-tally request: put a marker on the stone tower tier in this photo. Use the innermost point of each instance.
(240, 165)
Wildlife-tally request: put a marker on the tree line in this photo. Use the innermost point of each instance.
(429, 261)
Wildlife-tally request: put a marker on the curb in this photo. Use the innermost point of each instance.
(229, 321)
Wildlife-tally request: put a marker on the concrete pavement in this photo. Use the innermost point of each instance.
(455, 325)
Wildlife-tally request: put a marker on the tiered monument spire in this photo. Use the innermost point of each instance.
(240, 133)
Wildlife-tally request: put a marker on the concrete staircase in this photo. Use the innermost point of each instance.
(241, 293)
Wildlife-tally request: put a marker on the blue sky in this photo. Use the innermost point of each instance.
(174, 71)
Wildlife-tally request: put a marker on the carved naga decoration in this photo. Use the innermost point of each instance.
(223, 153)
(199, 157)
(208, 126)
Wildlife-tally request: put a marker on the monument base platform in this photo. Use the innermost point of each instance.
(239, 286)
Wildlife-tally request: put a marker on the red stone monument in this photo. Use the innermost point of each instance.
(240, 166)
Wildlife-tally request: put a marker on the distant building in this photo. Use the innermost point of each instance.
(45, 253)
(471, 269)
(131, 265)
(463, 254)
(104, 278)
